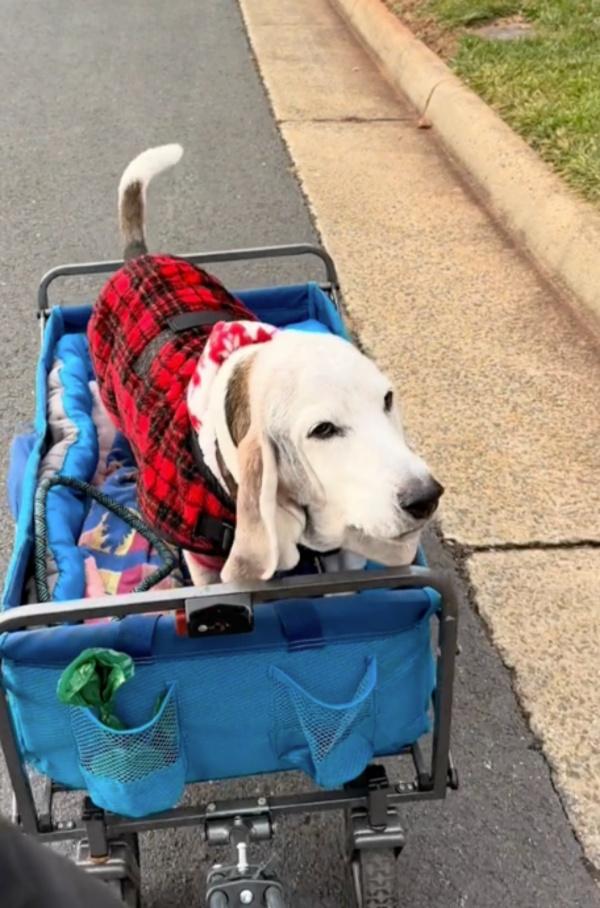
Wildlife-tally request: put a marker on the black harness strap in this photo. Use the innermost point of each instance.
(177, 324)
(185, 321)
(217, 531)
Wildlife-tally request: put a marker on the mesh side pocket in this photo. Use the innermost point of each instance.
(332, 742)
(136, 771)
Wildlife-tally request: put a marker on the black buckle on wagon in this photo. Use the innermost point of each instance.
(209, 616)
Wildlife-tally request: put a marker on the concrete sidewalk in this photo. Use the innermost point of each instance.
(500, 385)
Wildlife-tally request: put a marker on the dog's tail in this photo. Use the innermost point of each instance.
(132, 194)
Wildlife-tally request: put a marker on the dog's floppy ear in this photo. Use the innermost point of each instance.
(237, 400)
(255, 553)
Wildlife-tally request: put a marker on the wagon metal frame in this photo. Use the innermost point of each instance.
(108, 842)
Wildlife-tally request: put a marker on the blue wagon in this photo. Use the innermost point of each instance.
(320, 673)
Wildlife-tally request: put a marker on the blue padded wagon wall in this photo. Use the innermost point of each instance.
(321, 684)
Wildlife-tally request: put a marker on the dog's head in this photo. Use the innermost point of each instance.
(310, 430)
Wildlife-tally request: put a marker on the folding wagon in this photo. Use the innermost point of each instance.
(318, 672)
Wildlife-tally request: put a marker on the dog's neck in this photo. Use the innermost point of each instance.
(226, 346)
(225, 476)
(214, 438)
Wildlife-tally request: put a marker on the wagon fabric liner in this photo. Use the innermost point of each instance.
(320, 685)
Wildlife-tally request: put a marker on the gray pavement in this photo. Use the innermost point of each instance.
(85, 87)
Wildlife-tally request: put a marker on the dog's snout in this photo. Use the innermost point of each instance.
(421, 501)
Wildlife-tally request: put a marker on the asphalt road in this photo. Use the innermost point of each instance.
(85, 87)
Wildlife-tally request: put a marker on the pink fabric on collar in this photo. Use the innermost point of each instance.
(224, 339)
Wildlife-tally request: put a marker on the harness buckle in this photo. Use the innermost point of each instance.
(219, 532)
(227, 537)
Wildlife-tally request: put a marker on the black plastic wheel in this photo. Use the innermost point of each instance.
(133, 840)
(218, 900)
(274, 898)
(377, 878)
(125, 891)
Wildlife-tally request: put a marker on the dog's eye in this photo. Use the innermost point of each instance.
(324, 430)
(388, 401)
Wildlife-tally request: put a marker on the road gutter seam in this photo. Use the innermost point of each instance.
(461, 556)
(536, 545)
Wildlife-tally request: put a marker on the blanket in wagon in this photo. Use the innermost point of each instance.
(91, 552)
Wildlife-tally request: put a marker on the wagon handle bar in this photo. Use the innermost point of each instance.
(52, 613)
(195, 258)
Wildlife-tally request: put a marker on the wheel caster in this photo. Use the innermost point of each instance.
(119, 871)
(125, 891)
(375, 877)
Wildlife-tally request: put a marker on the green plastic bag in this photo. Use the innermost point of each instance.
(93, 679)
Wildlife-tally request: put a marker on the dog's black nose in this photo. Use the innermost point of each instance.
(422, 500)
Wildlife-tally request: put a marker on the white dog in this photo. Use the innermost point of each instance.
(304, 431)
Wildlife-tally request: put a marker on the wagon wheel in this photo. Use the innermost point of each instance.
(126, 890)
(274, 898)
(375, 873)
(218, 900)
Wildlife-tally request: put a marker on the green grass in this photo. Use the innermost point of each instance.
(546, 87)
(473, 12)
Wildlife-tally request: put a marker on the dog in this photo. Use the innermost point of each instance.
(293, 436)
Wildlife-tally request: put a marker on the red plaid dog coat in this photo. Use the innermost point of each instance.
(145, 345)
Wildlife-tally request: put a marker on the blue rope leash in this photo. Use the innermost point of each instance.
(123, 513)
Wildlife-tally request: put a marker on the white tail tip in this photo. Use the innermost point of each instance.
(150, 163)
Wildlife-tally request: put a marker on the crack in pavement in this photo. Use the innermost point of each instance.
(538, 545)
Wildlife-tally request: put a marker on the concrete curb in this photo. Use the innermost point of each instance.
(560, 231)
